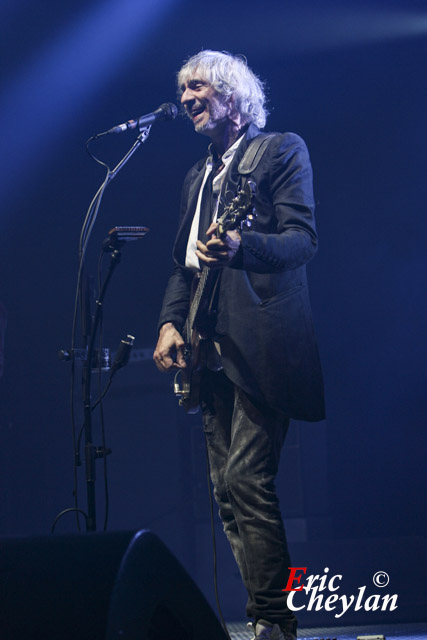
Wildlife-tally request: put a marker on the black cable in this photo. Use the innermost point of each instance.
(104, 393)
(84, 237)
(221, 617)
(120, 360)
(62, 513)
(85, 234)
(79, 441)
(101, 256)
(104, 456)
(99, 361)
(93, 156)
(76, 447)
(100, 397)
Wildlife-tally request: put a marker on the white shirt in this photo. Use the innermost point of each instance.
(191, 260)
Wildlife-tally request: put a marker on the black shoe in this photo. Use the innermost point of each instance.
(264, 630)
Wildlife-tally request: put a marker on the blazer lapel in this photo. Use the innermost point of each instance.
(180, 247)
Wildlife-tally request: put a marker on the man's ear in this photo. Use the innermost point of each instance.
(234, 113)
(230, 102)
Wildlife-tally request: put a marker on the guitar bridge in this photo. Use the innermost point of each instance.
(188, 393)
(176, 386)
(179, 390)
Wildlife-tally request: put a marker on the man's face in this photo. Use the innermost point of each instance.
(207, 109)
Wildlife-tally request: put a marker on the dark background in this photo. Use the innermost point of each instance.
(349, 77)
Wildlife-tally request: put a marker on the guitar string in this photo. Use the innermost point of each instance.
(237, 207)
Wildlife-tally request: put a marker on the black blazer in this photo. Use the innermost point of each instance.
(264, 321)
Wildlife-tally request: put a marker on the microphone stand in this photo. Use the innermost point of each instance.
(117, 238)
(91, 452)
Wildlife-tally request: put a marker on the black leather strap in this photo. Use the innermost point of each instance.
(254, 153)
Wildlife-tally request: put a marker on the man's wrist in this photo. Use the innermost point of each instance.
(166, 326)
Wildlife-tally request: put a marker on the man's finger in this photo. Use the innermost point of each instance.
(160, 363)
(212, 228)
(180, 360)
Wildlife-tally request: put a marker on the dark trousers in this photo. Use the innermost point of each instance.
(244, 440)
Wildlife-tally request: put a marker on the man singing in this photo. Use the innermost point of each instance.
(269, 368)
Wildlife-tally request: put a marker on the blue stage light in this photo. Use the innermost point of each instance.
(51, 92)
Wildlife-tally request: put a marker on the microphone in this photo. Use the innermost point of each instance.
(122, 355)
(166, 111)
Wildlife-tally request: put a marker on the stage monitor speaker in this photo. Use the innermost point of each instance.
(99, 586)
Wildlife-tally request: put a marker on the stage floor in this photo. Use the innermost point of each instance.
(414, 631)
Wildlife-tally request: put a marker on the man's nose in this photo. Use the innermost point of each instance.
(187, 96)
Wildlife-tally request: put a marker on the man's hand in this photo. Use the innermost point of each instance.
(218, 253)
(170, 345)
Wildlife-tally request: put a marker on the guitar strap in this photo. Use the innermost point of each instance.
(252, 156)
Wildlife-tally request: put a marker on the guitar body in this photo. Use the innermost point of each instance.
(191, 376)
(197, 345)
(199, 349)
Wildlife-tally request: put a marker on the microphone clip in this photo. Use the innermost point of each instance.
(118, 236)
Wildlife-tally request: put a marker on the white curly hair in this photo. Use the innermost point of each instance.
(230, 76)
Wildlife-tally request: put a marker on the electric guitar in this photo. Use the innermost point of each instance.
(198, 327)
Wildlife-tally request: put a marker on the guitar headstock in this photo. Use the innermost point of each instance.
(240, 212)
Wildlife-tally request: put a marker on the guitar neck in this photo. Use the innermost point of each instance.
(198, 297)
(240, 211)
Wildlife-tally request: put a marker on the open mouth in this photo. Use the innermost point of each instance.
(197, 111)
